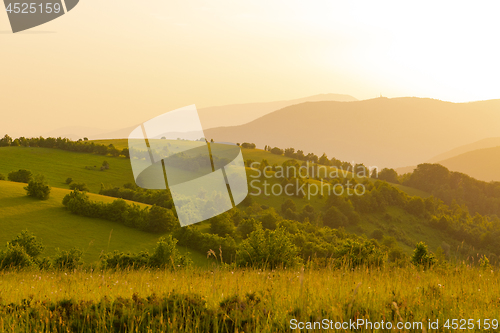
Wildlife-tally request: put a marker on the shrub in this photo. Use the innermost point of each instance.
(222, 225)
(29, 243)
(20, 176)
(246, 227)
(38, 188)
(270, 248)
(71, 259)
(166, 254)
(69, 180)
(421, 256)
(160, 220)
(248, 145)
(15, 256)
(334, 218)
(269, 220)
(359, 252)
(2, 177)
(120, 260)
(416, 206)
(79, 186)
(116, 211)
(204, 242)
(277, 151)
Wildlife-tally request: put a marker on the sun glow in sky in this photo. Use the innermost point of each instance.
(111, 64)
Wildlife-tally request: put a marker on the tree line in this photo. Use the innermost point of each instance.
(82, 146)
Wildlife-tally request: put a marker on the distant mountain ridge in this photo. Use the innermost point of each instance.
(451, 160)
(215, 116)
(239, 114)
(485, 143)
(482, 164)
(379, 132)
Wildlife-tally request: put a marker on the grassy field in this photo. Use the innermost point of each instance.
(57, 165)
(56, 227)
(71, 164)
(226, 300)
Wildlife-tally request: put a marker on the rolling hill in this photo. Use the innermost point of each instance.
(58, 228)
(378, 132)
(57, 165)
(485, 143)
(226, 115)
(479, 160)
(482, 164)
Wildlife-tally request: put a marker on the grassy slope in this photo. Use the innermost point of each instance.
(56, 227)
(57, 165)
(70, 164)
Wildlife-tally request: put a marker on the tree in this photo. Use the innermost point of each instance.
(29, 243)
(324, 160)
(70, 259)
(269, 220)
(277, 151)
(5, 141)
(114, 152)
(125, 152)
(389, 175)
(268, 249)
(160, 220)
(334, 218)
(416, 206)
(20, 176)
(308, 212)
(290, 152)
(2, 177)
(222, 225)
(79, 186)
(288, 204)
(421, 256)
(246, 227)
(166, 254)
(69, 180)
(105, 165)
(38, 188)
(248, 145)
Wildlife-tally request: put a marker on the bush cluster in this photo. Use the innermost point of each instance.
(38, 188)
(155, 219)
(132, 192)
(165, 256)
(25, 250)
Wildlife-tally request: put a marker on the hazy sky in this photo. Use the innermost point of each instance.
(111, 64)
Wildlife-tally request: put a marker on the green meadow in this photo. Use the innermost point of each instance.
(58, 165)
(58, 228)
(229, 300)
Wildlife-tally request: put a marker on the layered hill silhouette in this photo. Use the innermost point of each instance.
(485, 143)
(378, 132)
(225, 115)
(239, 114)
(482, 164)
